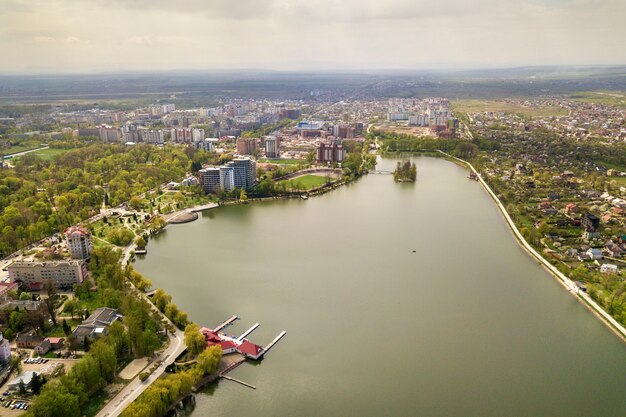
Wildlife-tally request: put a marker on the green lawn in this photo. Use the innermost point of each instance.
(19, 148)
(48, 154)
(306, 182)
(57, 331)
(479, 106)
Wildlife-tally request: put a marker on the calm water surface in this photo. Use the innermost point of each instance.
(469, 325)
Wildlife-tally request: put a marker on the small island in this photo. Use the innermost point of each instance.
(405, 172)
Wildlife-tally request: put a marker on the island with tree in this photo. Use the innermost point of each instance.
(405, 172)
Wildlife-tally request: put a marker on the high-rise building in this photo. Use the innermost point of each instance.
(62, 274)
(130, 132)
(210, 179)
(78, 242)
(244, 172)
(247, 146)
(227, 177)
(109, 134)
(272, 147)
(330, 153)
(153, 136)
(187, 135)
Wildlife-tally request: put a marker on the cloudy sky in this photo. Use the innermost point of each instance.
(115, 35)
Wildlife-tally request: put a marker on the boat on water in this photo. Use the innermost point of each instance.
(304, 197)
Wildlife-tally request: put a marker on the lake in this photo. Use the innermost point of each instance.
(397, 299)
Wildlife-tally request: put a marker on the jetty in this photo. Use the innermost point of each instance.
(273, 342)
(225, 324)
(247, 332)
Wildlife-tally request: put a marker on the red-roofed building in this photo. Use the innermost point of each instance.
(231, 345)
(251, 350)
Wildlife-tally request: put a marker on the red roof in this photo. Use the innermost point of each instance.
(250, 348)
(227, 344)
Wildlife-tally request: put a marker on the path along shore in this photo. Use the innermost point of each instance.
(613, 324)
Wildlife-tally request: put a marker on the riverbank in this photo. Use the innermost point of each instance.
(564, 280)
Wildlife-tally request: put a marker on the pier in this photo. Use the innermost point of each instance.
(273, 342)
(226, 323)
(247, 332)
(230, 378)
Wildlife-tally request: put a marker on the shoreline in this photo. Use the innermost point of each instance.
(561, 278)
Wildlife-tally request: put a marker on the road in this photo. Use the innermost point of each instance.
(131, 391)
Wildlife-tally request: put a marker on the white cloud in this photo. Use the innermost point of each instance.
(307, 34)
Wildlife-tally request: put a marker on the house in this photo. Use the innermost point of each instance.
(609, 269)
(28, 340)
(43, 347)
(614, 250)
(56, 343)
(594, 254)
(572, 208)
(571, 253)
(96, 324)
(24, 378)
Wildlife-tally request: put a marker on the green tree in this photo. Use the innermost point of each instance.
(66, 328)
(71, 306)
(209, 359)
(194, 339)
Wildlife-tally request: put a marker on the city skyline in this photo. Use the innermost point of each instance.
(70, 36)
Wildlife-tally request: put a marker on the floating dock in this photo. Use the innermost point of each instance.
(273, 342)
(247, 332)
(226, 323)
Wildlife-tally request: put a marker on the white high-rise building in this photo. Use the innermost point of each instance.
(227, 177)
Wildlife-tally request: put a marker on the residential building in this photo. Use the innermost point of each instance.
(590, 222)
(187, 135)
(6, 288)
(96, 324)
(247, 146)
(153, 136)
(28, 340)
(62, 274)
(227, 177)
(23, 378)
(594, 254)
(272, 147)
(78, 242)
(330, 153)
(109, 134)
(130, 132)
(244, 172)
(207, 144)
(210, 179)
(609, 269)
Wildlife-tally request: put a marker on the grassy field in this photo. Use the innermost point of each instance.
(305, 182)
(19, 148)
(48, 154)
(500, 106)
(611, 98)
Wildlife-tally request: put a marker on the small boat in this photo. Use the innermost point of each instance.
(304, 197)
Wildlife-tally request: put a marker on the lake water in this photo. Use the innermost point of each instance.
(468, 325)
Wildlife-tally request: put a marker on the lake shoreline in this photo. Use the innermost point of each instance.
(564, 280)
